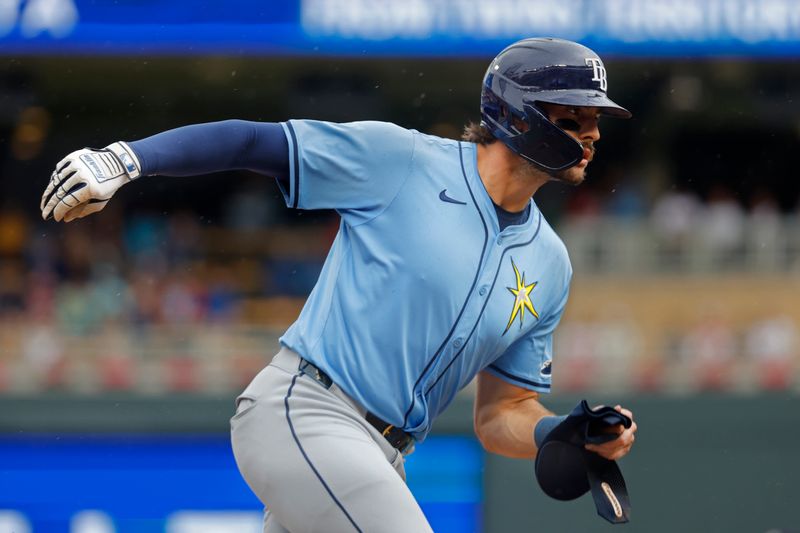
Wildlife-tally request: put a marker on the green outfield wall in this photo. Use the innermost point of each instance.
(702, 463)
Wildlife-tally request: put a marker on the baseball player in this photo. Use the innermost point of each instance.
(443, 270)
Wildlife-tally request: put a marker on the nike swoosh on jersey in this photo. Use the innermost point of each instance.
(443, 197)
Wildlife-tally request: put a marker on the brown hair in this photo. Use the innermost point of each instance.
(477, 133)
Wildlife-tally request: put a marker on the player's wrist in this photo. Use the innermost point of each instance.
(544, 426)
(127, 158)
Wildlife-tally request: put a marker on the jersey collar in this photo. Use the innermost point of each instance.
(469, 154)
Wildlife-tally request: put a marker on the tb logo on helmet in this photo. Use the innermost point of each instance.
(598, 72)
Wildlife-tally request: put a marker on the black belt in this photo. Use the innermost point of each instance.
(398, 438)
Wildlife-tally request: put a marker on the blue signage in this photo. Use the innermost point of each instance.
(189, 484)
(366, 28)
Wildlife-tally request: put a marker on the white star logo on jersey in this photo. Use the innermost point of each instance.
(522, 298)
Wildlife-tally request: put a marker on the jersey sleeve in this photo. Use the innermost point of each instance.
(355, 168)
(528, 362)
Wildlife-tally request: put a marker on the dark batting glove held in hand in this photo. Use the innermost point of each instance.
(566, 470)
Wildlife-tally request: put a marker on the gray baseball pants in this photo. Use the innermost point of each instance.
(313, 460)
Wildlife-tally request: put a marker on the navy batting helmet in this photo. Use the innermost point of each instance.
(548, 70)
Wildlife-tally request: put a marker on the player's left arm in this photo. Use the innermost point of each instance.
(506, 417)
(85, 180)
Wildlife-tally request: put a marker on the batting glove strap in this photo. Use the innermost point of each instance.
(127, 158)
(565, 470)
(114, 161)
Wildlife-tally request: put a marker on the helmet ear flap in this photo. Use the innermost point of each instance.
(541, 142)
(545, 144)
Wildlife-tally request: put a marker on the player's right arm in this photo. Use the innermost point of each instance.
(510, 421)
(85, 180)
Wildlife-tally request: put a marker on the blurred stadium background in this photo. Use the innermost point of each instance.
(125, 337)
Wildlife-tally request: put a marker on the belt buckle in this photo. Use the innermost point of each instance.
(405, 449)
(323, 379)
(408, 449)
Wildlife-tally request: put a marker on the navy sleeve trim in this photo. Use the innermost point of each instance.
(295, 165)
(517, 378)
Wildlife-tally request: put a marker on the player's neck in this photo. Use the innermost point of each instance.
(509, 180)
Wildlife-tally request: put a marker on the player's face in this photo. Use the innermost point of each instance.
(581, 123)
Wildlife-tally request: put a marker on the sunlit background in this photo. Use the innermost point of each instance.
(124, 337)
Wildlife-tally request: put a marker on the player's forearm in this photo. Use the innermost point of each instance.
(215, 147)
(507, 428)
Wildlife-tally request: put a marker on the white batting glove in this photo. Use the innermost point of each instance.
(86, 179)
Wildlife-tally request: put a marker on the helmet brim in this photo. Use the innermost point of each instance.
(582, 98)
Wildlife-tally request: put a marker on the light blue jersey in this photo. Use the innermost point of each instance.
(420, 290)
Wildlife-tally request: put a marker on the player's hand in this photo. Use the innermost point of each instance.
(85, 180)
(620, 446)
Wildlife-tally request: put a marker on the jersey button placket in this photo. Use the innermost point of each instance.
(458, 342)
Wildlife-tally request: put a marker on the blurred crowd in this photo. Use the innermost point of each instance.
(154, 301)
(681, 232)
(712, 354)
(147, 301)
